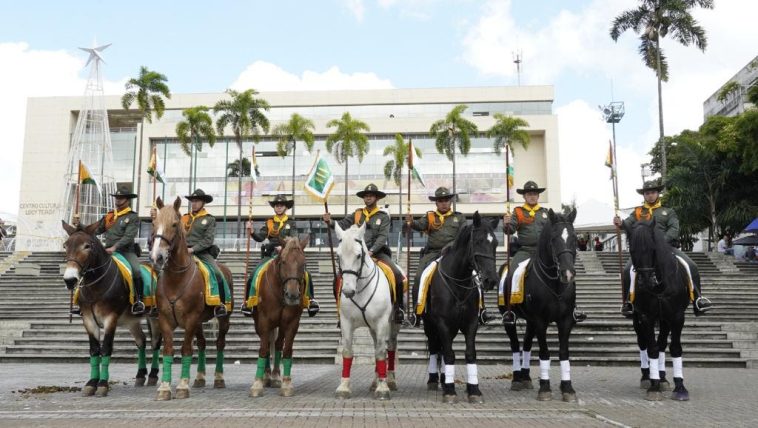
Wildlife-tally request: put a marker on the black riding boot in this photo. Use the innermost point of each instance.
(579, 316)
(399, 312)
(484, 316)
(138, 308)
(701, 305)
(220, 310)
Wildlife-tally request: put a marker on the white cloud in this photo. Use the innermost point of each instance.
(30, 73)
(356, 7)
(265, 76)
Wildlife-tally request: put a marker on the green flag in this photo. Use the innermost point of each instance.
(320, 179)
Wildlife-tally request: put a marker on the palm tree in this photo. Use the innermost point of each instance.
(347, 141)
(653, 20)
(507, 130)
(451, 130)
(393, 169)
(197, 124)
(297, 128)
(148, 90)
(233, 168)
(244, 114)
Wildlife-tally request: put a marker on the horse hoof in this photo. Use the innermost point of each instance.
(527, 384)
(140, 381)
(152, 381)
(88, 391)
(392, 384)
(382, 395)
(654, 396)
(680, 396)
(199, 383)
(645, 384)
(163, 395)
(432, 386)
(182, 393)
(342, 394)
(372, 388)
(569, 397)
(219, 383)
(102, 391)
(665, 385)
(476, 399)
(518, 386)
(287, 391)
(275, 383)
(544, 396)
(450, 399)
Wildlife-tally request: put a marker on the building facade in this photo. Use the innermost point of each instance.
(736, 102)
(409, 112)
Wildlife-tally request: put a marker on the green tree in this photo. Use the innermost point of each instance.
(654, 20)
(148, 90)
(348, 140)
(287, 134)
(508, 130)
(393, 169)
(243, 113)
(454, 131)
(233, 168)
(196, 126)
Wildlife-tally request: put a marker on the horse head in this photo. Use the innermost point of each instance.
(483, 244)
(643, 251)
(352, 253)
(292, 269)
(82, 252)
(563, 243)
(167, 229)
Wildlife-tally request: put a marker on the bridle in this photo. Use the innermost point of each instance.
(300, 280)
(544, 269)
(372, 278)
(475, 279)
(85, 270)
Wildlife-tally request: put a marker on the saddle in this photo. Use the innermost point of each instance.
(386, 270)
(212, 287)
(254, 283)
(691, 289)
(517, 284)
(149, 281)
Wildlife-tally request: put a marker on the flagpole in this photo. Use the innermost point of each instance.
(616, 208)
(155, 157)
(409, 231)
(76, 217)
(507, 228)
(250, 220)
(329, 238)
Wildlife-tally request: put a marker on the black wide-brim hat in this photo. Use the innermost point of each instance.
(199, 194)
(651, 185)
(371, 189)
(442, 193)
(530, 186)
(123, 192)
(281, 200)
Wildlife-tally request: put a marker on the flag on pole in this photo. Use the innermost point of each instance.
(153, 167)
(414, 162)
(320, 179)
(85, 176)
(609, 159)
(254, 171)
(509, 167)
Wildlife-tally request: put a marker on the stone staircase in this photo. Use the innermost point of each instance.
(34, 319)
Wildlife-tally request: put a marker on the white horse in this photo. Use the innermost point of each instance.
(365, 301)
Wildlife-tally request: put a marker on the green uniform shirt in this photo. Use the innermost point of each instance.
(377, 230)
(446, 233)
(665, 220)
(275, 237)
(528, 231)
(202, 231)
(122, 233)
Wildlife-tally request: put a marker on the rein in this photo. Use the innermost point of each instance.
(460, 283)
(543, 270)
(374, 274)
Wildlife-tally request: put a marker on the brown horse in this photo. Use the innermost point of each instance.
(104, 304)
(181, 302)
(277, 316)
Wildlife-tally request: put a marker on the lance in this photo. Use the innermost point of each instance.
(616, 209)
(250, 220)
(507, 228)
(76, 217)
(329, 238)
(155, 171)
(409, 231)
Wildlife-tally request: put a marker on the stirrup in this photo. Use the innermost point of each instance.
(313, 308)
(485, 317)
(399, 315)
(220, 311)
(579, 316)
(138, 308)
(414, 320)
(76, 310)
(509, 318)
(627, 309)
(248, 312)
(703, 304)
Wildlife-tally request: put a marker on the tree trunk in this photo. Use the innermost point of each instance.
(455, 191)
(192, 160)
(712, 206)
(294, 154)
(139, 166)
(661, 145)
(400, 220)
(346, 160)
(239, 192)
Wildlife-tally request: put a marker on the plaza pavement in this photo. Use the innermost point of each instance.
(608, 396)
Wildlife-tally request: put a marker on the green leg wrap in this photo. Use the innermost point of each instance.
(168, 361)
(287, 367)
(277, 359)
(186, 364)
(141, 360)
(219, 361)
(155, 361)
(261, 368)
(201, 361)
(104, 363)
(94, 367)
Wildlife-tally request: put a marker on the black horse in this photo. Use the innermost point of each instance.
(549, 296)
(662, 295)
(452, 302)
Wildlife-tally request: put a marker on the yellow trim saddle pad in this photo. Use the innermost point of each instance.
(425, 280)
(633, 276)
(252, 299)
(212, 286)
(149, 281)
(517, 284)
(387, 270)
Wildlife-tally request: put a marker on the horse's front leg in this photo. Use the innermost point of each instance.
(472, 381)
(644, 361)
(381, 336)
(662, 341)
(200, 378)
(264, 352)
(545, 393)
(135, 328)
(526, 357)
(155, 344)
(167, 332)
(93, 332)
(192, 323)
(564, 333)
(516, 383)
(679, 393)
(346, 325)
(654, 391)
(392, 356)
(223, 330)
(433, 368)
(446, 340)
(273, 377)
(109, 330)
(287, 335)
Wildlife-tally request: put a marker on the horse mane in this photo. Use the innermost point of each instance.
(289, 245)
(640, 241)
(462, 238)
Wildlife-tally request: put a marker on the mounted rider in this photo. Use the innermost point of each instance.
(667, 222)
(527, 221)
(441, 226)
(376, 236)
(200, 228)
(121, 227)
(276, 229)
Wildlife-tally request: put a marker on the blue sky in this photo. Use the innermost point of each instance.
(210, 46)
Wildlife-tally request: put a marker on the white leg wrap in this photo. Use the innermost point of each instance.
(449, 373)
(544, 369)
(516, 361)
(653, 372)
(644, 362)
(677, 362)
(526, 358)
(662, 361)
(433, 368)
(565, 370)
(473, 375)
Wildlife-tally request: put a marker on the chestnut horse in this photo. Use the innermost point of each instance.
(181, 303)
(277, 316)
(104, 304)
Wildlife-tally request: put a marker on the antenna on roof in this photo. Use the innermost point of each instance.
(518, 59)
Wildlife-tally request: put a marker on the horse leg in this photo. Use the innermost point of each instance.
(644, 361)
(472, 375)
(93, 332)
(200, 338)
(448, 388)
(544, 394)
(192, 323)
(135, 329)
(392, 356)
(654, 391)
(155, 343)
(256, 390)
(167, 332)
(285, 350)
(343, 390)
(109, 325)
(679, 393)
(510, 330)
(526, 357)
(273, 372)
(381, 336)
(433, 367)
(663, 336)
(218, 375)
(564, 332)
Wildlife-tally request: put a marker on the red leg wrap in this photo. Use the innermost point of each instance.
(347, 362)
(391, 361)
(381, 369)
